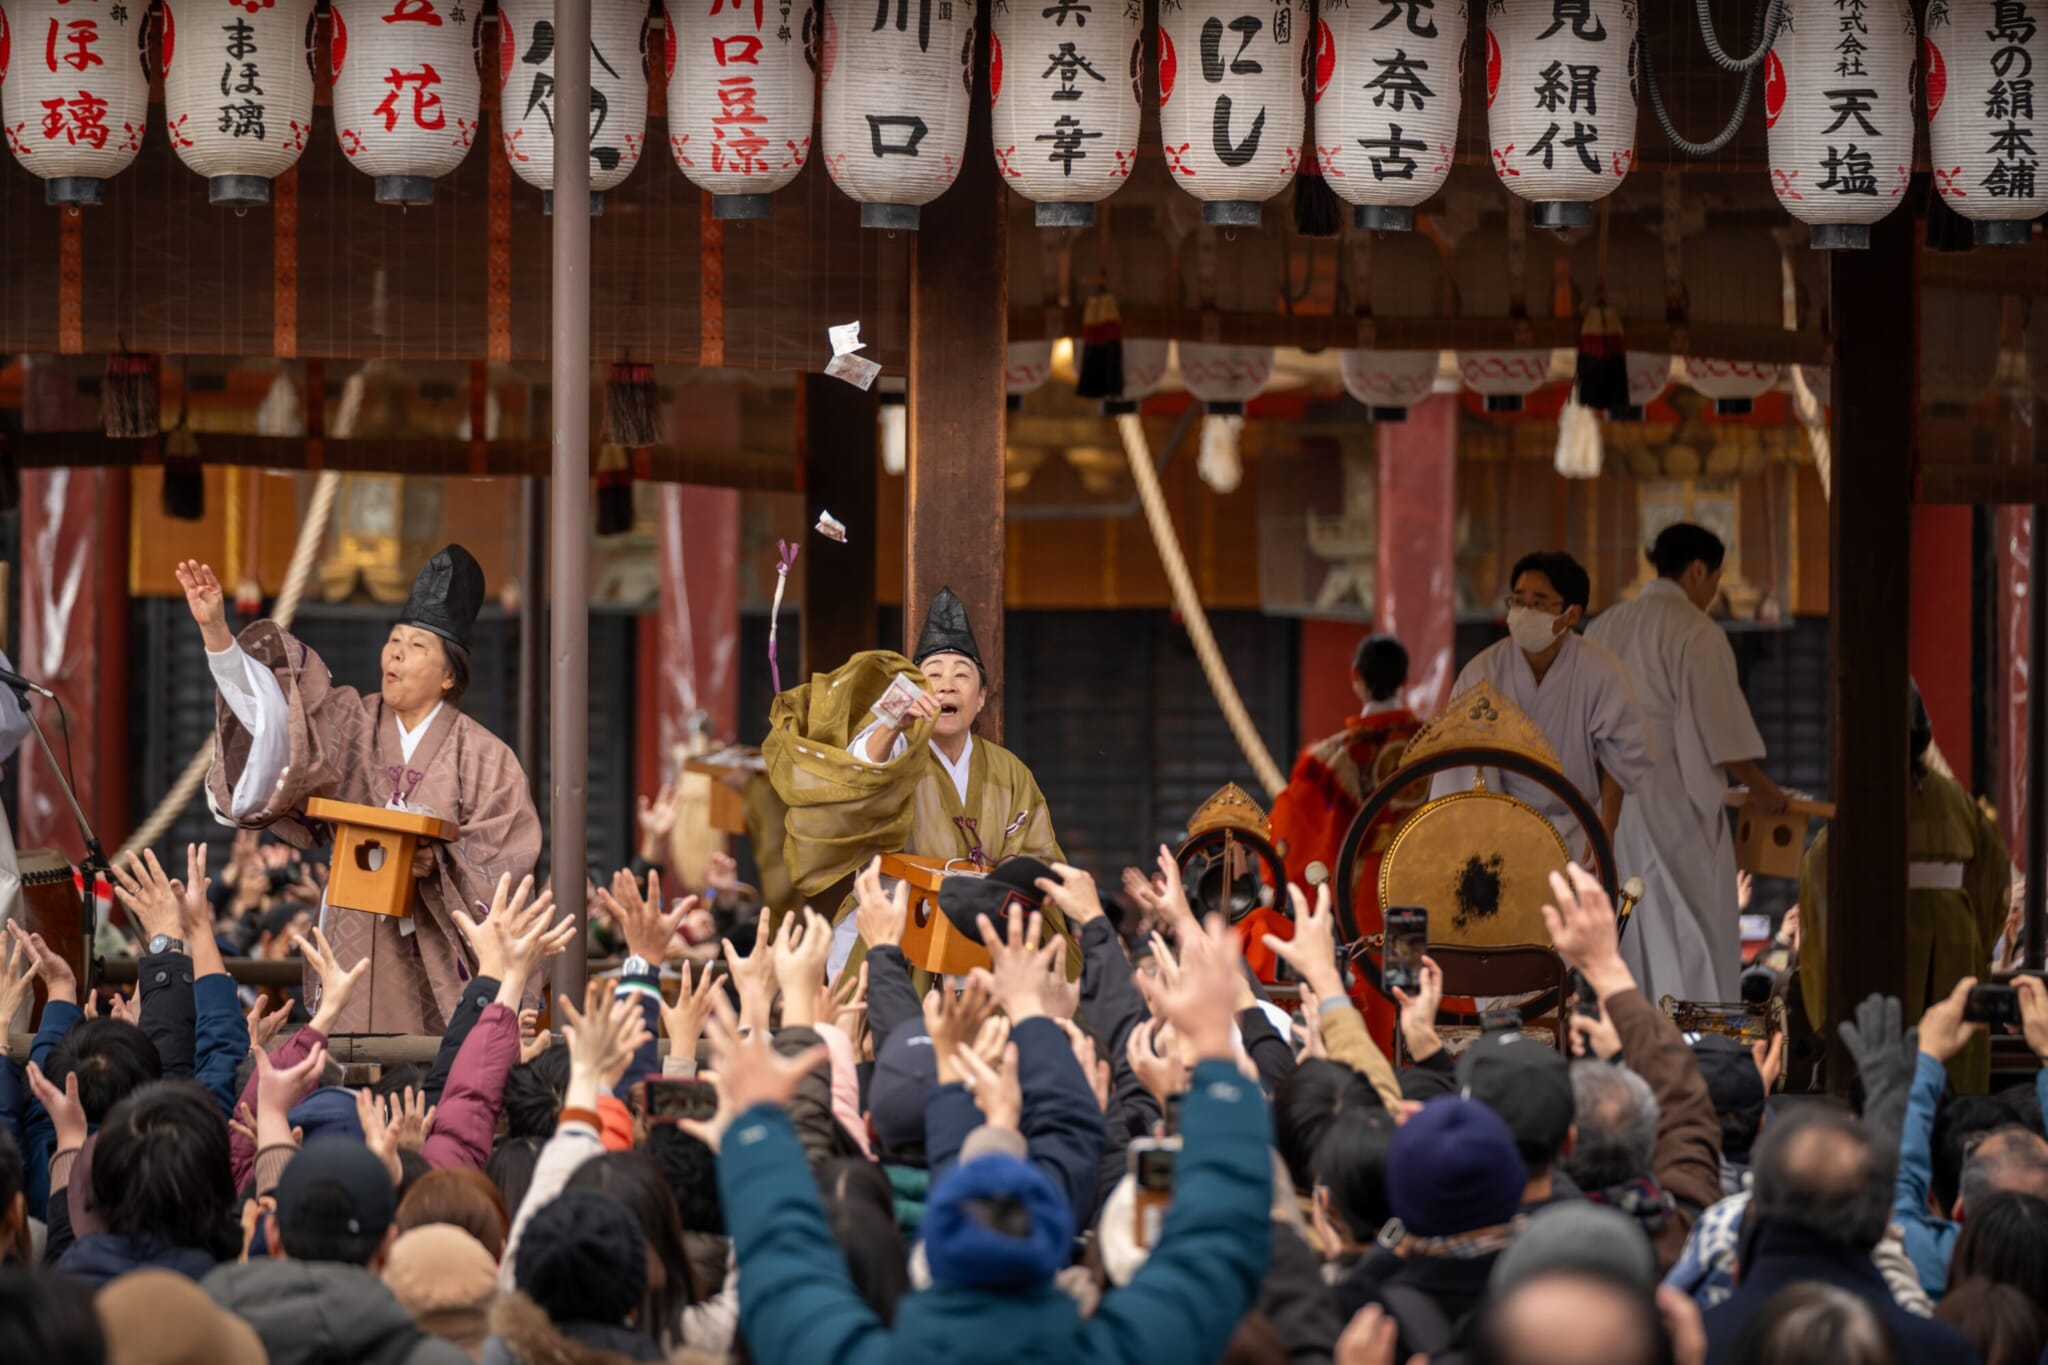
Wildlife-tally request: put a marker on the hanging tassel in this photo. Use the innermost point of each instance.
(1101, 372)
(128, 395)
(1221, 463)
(785, 555)
(632, 405)
(614, 490)
(184, 494)
(1317, 210)
(1603, 359)
(1578, 441)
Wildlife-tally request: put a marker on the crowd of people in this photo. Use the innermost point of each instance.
(1154, 1160)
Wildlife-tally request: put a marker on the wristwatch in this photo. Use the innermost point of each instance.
(636, 966)
(164, 943)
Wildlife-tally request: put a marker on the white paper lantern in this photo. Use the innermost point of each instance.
(1026, 367)
(1734, 385)
(1561, 102)
(1649, 374)
(1390, 81)
(739, 100)
(618, 92)
(1225, 378)
(1145, 361)
(1838, 115)
(407, 96)
(1388, 382)
(1504, 378)
(1064, 78)
(1230, 102)
(1980, 57)
(74, 106)
(1959, 330)
(894, 117)
(238, 91)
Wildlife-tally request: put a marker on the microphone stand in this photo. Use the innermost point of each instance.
(95, 863)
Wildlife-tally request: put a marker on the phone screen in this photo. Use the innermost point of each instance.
(670, 1098)
(1407, 941)
(1155, 1170)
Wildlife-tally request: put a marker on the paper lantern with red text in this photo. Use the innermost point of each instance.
(1561, 102)
(407, 95)
(1389, 382)
(618, 92)
(74, 91)
(1734, 385)
(238, 91)
(1838, 115)
(741, 83)
(897, 74)
(1504, 377)
(1231, 110)
(1145, 361)
(1026, 367)
(1649, 374)
(1389, 85)
(1980, 57)
(1064, 80)
(1225, 378)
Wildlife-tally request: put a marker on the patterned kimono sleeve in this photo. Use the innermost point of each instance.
(325, 740)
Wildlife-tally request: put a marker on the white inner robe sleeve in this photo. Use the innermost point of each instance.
(253, 695)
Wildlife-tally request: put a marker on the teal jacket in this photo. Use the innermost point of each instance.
(799, 1307)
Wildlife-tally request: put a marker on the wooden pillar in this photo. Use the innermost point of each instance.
(839, 451)
(1875, 301)
(959, 306)
(1415, 571)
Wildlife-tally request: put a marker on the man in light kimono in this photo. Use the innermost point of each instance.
(1674, 832)
(858, 786)
(1576, 693)
(287, 732)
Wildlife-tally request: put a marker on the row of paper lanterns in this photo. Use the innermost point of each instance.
(1065, 75)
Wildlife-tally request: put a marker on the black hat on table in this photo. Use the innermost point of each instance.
(447, 596)
(1013, 881)
(946, 631)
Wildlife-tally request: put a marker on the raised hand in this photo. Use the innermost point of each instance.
(1312, 951)
(59, 982)
(801, 951)
(533, 1039)
(16, 978)
(683, 1021)
(1594, 1036)
(1074, 892)
(141, 886)
(412, 1117)
(1198, 1000)
(207, 602)
(1418, 1011)
(126, 1008)
(1769, 1057)
(722, 874)
(754, 975)
(658, 819)
(516, 937)
(954, 1023)
(380, 1134)
(1097, 1072)
(1154, 1056)
(1019, 964)
(750, 1070)
(880, 915)
(67, 1113)
(1943, 1032)
(996, 1091)
(1580, 919)
(2033, 1012)
(602, 1037)
(1174, 912)
(646, 927)
(278, 1091)
(264, 1026)
(336, 985)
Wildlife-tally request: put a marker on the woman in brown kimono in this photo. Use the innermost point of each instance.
(286, 732)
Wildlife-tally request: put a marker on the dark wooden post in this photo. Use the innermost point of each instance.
(839, 445)
(1875, 300)
(959, 307)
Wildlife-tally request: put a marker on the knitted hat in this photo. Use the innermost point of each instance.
(1528, 1084)
(583, 1259)
(159, 1317)
(906, 1071)
(963, 1249)
(1453, 1168)
(1576, 1235)
(446, 1279)
(329, 1111)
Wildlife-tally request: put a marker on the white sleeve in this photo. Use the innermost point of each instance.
(859, 747)
(13, 720)
(252, 693)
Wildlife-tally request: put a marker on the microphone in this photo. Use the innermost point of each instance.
(10, 678)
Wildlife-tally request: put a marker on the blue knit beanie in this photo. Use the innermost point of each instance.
(963, 1251)
(329, 1111)
(1453, 1168)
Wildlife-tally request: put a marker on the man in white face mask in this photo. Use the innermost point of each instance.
(1675, 833)
(1577, 693)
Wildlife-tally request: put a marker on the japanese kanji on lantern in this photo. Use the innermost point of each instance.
(618, 92)
(1389, 83)
(1561, 102)
(1225, 378)
(1838, 115)
(1388, 382)
(75, 104)
(1734, 385)
(406, 90)
(1145, 360)
(238, 91)
(1230, 101)
(1980, 57)
(894, 115)
(1064, 80)
(740, 97)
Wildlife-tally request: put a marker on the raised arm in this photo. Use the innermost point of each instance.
(208, 605)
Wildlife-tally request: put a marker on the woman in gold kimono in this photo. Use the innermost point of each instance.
(1958, 874)
(927, 785)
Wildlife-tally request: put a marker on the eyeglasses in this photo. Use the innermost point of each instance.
(1549, 605)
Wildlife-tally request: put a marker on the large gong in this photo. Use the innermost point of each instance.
(1228, 859)
(1479, 861)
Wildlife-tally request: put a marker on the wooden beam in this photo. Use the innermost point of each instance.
(959, 313)
(839, 460)
(1876, 408)
(1983, 485)
(722, 468)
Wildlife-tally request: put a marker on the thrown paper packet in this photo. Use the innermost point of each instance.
(830, 527)
(854, 370)
(896, 702)
(845, 338)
